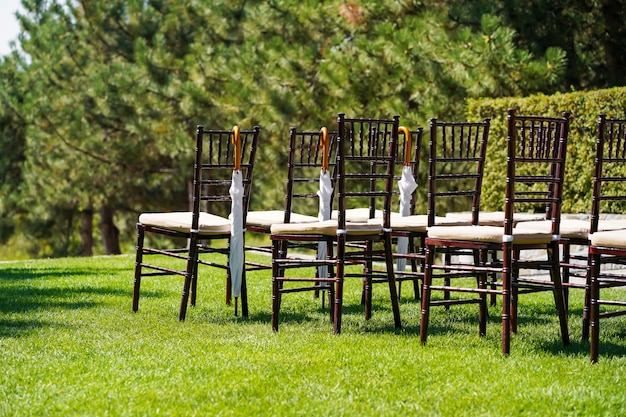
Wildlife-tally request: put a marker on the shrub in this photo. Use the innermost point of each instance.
(584, 107)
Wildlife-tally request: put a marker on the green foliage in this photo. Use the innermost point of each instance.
(584, 107)
(12, 145)
(109, 93)
(589, 32)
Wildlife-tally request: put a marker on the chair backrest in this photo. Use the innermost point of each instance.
(218, 154)
(366, 154)
(609, 180)
(309, 153)
(536, 151)
(456, 164)
(409, 154)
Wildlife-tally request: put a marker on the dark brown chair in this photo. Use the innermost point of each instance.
(456, 163)
(222, 157)
(309, 157)
(366, 152)
(406, 177)
(607, 248)
(574, 267)
(536, 149)
(407, 180)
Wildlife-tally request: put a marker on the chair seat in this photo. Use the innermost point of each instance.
(569, 228)
(326, 228)
(611, 224)
(488, 234)
(419, 222)
(496, 218)
(611, 238)
(181, 222)
(413, 223)
(359, 215)
(574, 228)
(266, 218)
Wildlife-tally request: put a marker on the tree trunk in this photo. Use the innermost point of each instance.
(86, 232)
(110, 233)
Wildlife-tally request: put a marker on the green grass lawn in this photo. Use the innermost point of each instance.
(70, 345)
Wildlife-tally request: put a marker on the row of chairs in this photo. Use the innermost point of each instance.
(354, 170)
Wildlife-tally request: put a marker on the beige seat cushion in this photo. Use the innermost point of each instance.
(488, 234)
(574, 228)
(359, 215)
(569, 228)
(327, 228)
(611, 224)
(418, 222)
(181, 222)
(266, 218)
(611, 239)
(496, 218)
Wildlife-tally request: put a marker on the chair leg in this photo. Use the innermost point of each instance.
(364, 291)
(191, 266)
(416, 281)
(595, 309)
(391, 280)
(229, 291)
(430, 254)
(367, 281)
(507, 254)
(316, 293)
(244, 294)
(559, 297)
(194, 284)
(587, 303)
(514, 292)
(494, 259)
(338, 301)
(332, 271)
(275, 284)
(565, 271)
(331, 304)
(446, 281)
(138, 263)
(480, 259)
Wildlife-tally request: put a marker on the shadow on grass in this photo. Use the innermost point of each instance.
(611, 345)
(19, 328)
(313, 312)
(24, 299)
(25, 290)
(27, 274)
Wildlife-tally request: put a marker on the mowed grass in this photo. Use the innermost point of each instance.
(71, 346)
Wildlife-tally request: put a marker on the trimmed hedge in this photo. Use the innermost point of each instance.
(584, 107)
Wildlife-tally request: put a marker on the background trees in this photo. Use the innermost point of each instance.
(100, 105)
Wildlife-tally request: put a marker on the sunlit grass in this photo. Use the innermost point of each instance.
(70, 345)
